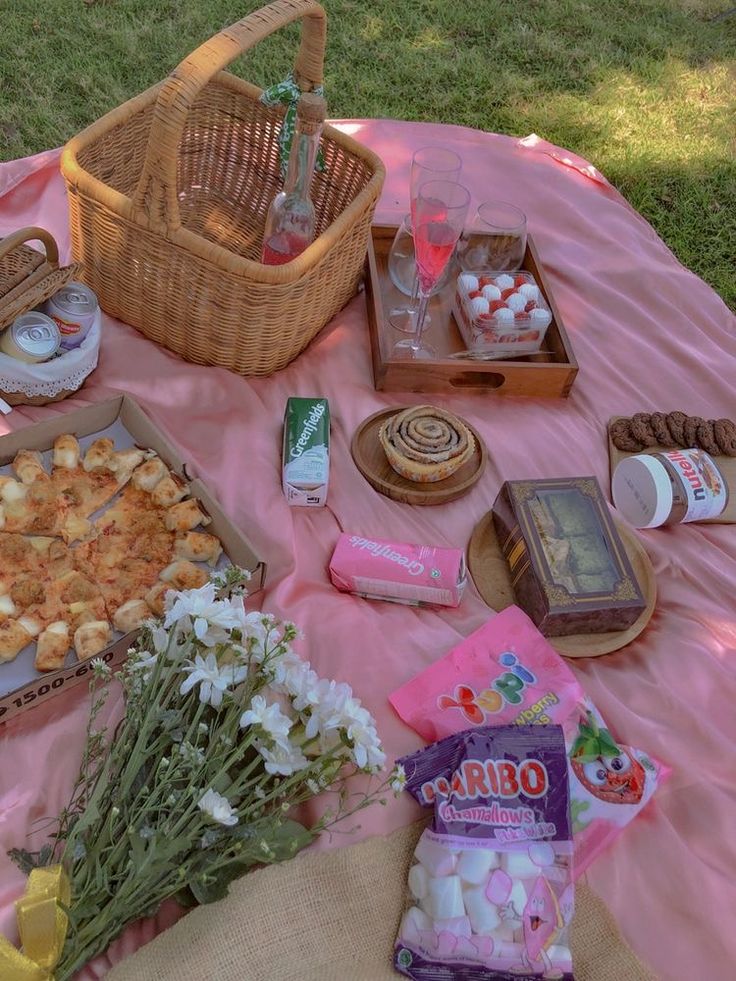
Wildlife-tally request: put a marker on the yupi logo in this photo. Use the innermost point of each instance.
(507, 688)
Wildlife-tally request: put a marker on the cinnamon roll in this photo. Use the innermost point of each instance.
(426, 444)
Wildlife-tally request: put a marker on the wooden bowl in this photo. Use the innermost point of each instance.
(370, 458)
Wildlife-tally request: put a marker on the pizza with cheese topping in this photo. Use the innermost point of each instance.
(66, 578)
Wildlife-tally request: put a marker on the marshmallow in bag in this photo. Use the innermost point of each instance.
(500, 904)
(507, 672)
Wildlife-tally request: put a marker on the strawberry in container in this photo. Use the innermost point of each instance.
(502, 313)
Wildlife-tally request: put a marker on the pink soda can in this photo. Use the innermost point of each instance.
(417, 575)
(74, 308)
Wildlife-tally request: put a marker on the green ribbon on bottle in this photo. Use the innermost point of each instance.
(287, 93)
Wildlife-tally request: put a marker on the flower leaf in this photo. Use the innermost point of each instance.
(288, 839)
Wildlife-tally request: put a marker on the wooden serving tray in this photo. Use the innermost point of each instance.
(545, 375)
(492, 578)
(371, 460)
(726, 464)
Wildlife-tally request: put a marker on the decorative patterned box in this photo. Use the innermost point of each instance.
(569, 568)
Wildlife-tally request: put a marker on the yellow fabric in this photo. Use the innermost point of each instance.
(42, 925)
(330, 916)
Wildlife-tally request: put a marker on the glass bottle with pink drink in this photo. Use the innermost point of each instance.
(290, 223)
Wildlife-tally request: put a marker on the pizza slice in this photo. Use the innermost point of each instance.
(131, 547)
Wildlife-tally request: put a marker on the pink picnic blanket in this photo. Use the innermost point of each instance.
(648, 335)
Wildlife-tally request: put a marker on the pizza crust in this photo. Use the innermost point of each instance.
(99, 454)
(51, 646)
(185, 516)
(131, 615)
(198, 546)
(91, 638)
(66, 452)
(28, 464)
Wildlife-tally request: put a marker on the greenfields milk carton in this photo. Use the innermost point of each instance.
(305, 462)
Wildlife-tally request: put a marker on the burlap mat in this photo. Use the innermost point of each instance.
(333, 916)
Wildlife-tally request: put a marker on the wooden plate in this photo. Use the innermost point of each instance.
(371, 460)
(492, 578)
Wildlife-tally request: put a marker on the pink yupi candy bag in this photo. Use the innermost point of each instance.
(508, 673)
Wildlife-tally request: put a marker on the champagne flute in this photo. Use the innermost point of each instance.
(439, 218)
(428, 163)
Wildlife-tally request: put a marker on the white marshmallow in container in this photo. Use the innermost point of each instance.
(560, 955)
(530, 291)
(474, 865)
(503, 315)
(445, 898)
(414, 921)
(518, 898)
(540, 317)
(519, 865)
(436, 859)
(468, 282)
(542, 853)
(478, 306)
(457, 925)
(418, 881)
(503, 933)
(491, 292)
(504, 282)
(516, 302)
(483, 915)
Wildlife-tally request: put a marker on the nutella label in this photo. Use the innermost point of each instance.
(706, 492)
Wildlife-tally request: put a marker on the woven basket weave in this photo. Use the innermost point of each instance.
(27, 277)
(169, 195)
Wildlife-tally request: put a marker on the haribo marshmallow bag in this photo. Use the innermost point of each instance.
(491, 886)
(507, 672)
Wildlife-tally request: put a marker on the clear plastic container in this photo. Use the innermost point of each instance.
(503, 313)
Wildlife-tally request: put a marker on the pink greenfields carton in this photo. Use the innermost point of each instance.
(418, 575)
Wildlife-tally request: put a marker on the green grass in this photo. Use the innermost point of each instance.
(645, 89)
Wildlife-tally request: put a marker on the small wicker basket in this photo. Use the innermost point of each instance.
(27, 277)
(168, 199)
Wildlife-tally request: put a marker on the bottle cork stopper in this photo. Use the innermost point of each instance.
(312, 109)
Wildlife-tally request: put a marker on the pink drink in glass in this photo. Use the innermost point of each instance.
(434, 242)
(282, 248)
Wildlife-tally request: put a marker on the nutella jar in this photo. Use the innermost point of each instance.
(669, 488)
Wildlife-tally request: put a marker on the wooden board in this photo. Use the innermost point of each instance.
(490, 572)
(549, 375)
(726, 464)
(372, 462)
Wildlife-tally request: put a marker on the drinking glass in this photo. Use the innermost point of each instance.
(402, 262)
(440, 211)
(428, 163)
(496, 239)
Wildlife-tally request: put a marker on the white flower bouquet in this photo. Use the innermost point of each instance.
(226, 732)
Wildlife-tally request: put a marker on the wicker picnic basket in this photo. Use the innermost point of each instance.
(168, 199)
(27, 279)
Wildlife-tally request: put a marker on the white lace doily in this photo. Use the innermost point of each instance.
(65, 373)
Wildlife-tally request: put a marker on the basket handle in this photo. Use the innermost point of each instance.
(155, 199)
(30, 234)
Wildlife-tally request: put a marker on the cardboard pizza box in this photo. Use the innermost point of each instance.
(123, 420)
